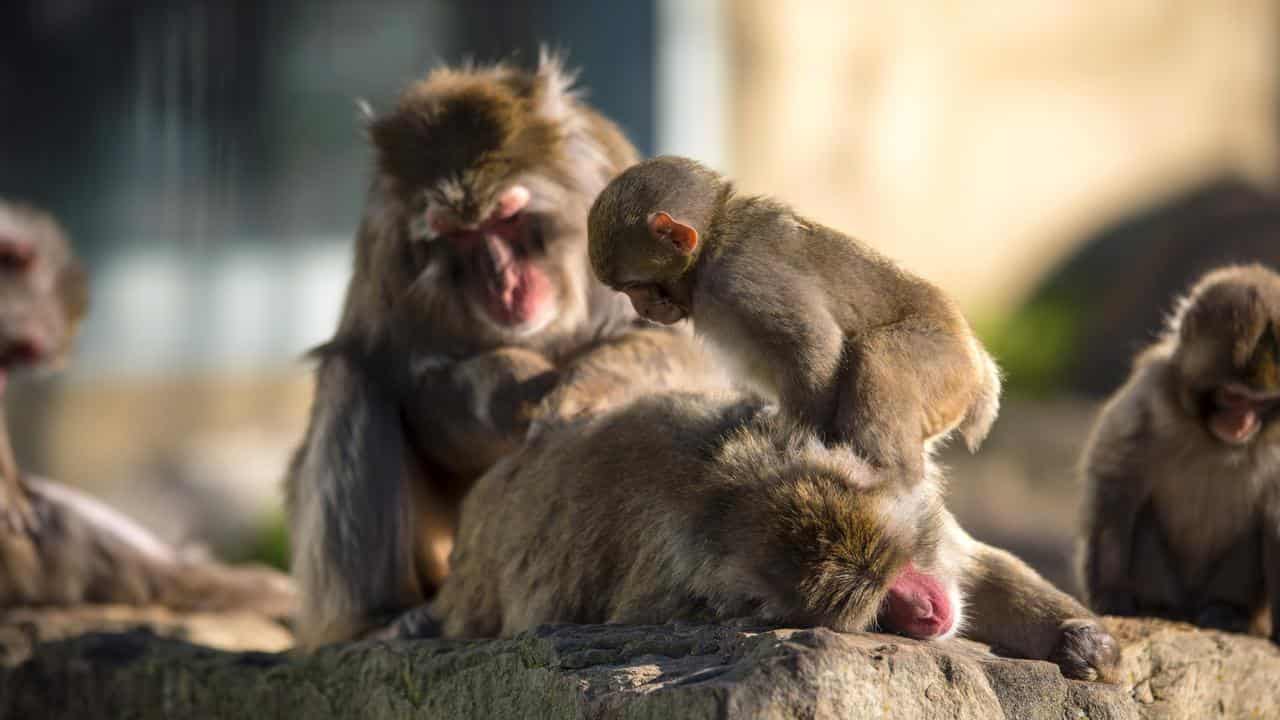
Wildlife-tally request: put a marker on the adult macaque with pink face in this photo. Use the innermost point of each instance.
(59, 546)
(471, 314)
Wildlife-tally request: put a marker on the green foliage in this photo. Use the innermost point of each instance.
(1036, 344)
(269, 545)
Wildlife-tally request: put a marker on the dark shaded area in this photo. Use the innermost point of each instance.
(1114, 295)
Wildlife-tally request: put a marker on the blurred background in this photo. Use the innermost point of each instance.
(1063, 168)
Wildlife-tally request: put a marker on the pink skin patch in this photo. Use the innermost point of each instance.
(1236, 417)
(917, 606)
(513, 290)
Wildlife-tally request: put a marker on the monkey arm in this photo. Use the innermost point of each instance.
(642, 361)
(1013, 608)
(467, 415)
(350, 506)
(16, 513)
(1271, 559)
(1117, 492)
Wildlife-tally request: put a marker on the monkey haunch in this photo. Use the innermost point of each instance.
(709, 508)
(470, 314)
(1183, 467)
(850, 343)
(61, 547)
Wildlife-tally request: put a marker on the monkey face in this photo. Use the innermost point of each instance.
(485, 176)
(41, 292)
(652, 302)
(1228, 353)
(498, 260)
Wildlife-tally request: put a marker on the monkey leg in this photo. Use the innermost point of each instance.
(1014, 609)
(16, 512)
(1230, 597)
(350, 509)
(903, 384)
(1151, 579)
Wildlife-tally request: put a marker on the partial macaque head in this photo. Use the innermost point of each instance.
(488, 173)
(43, 291)
(835, 546)
(1228, 353)
(647, 229)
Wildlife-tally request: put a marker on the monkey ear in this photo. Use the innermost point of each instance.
(667, 229)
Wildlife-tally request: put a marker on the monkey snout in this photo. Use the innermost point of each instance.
(917, 606)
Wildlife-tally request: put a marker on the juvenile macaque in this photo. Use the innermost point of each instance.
(59, 546)
(1183, 468)
(849, 343)
(470, 319)
(713, 508)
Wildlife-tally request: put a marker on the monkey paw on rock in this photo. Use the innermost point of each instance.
(1086, 651)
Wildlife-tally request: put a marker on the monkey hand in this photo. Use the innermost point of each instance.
(17, 513)
(1086, 651)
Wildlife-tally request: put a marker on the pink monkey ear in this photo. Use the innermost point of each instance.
(667, 229)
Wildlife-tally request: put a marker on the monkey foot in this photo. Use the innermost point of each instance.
(415, 623)
(1086, 651)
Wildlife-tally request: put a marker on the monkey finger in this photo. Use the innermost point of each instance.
(1086, 651)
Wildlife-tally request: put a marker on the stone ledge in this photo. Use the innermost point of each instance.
(670, 671)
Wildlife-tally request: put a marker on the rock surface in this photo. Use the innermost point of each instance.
(672, 671)
(21, 629)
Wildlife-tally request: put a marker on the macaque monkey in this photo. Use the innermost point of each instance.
(60, 546)
(1182, 517)
(471, 320)
(849, 343)
(43, 298)
(715, 508)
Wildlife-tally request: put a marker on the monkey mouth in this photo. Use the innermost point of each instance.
(515, 291)
(1236, 414)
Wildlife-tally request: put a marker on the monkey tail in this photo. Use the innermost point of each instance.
(982, 412)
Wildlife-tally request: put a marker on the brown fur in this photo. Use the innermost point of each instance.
(1179, 522)
(707, 507)
(62, 547)
(849, 342)
(419, 392)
